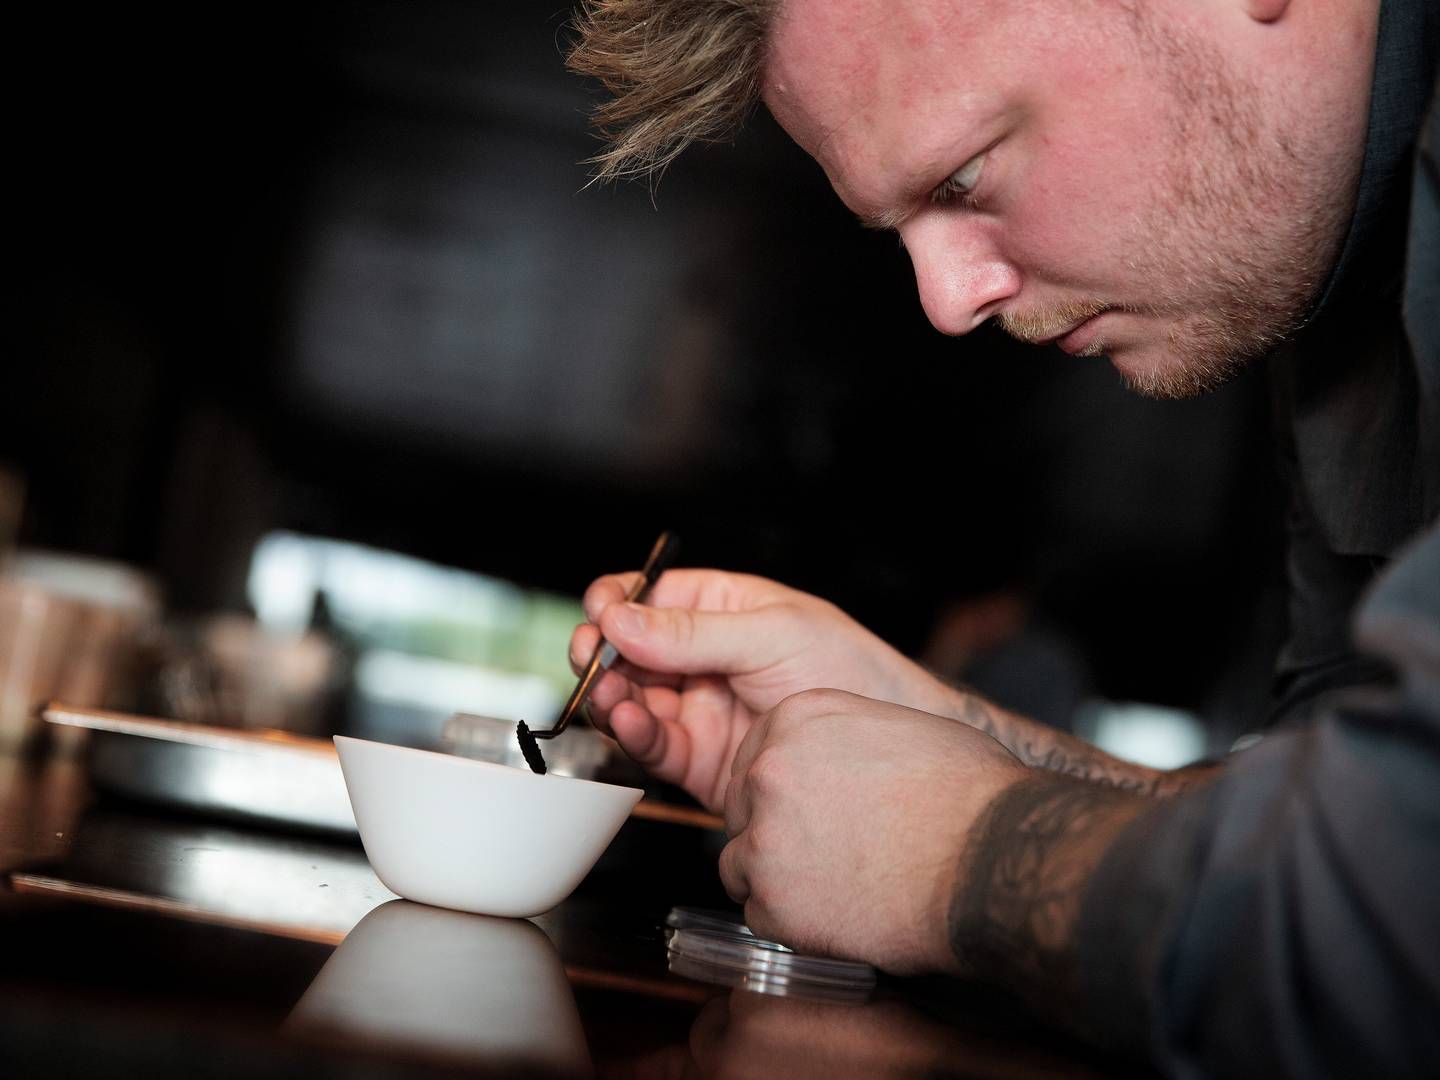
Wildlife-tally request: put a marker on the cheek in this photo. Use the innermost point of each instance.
(1089, 171)
(1071, 221)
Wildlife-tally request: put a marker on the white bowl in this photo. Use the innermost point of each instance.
(473, 835)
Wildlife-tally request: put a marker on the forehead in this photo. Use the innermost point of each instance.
(857, 82)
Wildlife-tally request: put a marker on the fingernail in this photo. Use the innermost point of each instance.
(630, 620)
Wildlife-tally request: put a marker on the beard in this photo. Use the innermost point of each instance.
(1240, 238)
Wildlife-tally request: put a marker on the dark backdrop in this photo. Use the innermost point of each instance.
(334, 267)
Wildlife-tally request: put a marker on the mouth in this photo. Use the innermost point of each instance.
(1081, 338)
(1072, 338)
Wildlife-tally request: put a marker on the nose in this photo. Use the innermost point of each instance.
(960, 271)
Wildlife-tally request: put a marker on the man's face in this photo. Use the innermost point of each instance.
(1117, 181)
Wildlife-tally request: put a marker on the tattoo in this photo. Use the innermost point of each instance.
(1012, 917)
(1057, 751)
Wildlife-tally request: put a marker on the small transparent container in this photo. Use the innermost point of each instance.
(713, 947)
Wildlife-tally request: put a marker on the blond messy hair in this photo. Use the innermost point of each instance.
(681, 71)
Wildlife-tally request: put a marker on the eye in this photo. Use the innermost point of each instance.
(959, 187)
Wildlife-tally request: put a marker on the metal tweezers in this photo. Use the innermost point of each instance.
(661, 556)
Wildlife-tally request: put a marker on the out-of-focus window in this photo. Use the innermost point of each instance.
(428, 640)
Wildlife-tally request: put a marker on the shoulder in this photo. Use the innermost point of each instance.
(1400, 617)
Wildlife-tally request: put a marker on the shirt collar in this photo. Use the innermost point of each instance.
(1405, 61)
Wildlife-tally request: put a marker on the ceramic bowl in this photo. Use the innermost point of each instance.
(473, 835)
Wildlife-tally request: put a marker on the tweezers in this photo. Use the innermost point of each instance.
(661, 556)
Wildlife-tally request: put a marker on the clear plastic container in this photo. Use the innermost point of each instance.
(713, 947)
(691, 918)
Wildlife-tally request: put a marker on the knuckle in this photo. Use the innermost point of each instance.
(606, 694)
(785, 613)
(790, 709)
(761, 837)
(682, 626)
(827, 700)
(767, 771)
(806, 704)
(732, 803)
(730, 874)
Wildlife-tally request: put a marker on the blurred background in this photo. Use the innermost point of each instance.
(334, 385)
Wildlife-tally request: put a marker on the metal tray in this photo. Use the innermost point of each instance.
(267, 776)
(249, 775)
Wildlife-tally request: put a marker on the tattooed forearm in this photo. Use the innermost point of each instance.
(1046, 748)
(1012, 917)
(1063, 753)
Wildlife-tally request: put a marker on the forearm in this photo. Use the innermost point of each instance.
(1250, 927)
(1014, 908)
(1060, 752)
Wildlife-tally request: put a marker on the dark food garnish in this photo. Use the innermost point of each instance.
(530, 748)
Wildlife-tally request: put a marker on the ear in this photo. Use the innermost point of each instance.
(1266, 11)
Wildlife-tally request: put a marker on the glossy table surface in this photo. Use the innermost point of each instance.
(135, 941)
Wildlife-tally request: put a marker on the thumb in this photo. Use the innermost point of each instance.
(681, 641)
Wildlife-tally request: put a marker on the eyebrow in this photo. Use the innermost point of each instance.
(885, 220)
(891, 220)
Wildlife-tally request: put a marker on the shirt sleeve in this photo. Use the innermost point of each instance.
(1285, 920)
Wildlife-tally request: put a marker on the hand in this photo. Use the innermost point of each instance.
(710, 653)
(850, 820)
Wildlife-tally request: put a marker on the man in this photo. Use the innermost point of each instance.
(1184, 187)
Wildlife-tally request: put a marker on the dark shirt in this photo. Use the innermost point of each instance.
(1285, 920)
(1348, 427)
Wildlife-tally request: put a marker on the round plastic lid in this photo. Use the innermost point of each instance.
(715, 948)
(693, 918)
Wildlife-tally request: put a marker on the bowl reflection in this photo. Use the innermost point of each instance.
(422, 979)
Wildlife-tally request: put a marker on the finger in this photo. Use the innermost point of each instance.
(662, 748)
(751, 745)
(586, 639)
(739, 793)
(696, 589)
(607, 590)
(663, 702)
(737, 806)
(604, 696)
(709, 589)
(733, 871)
(683, 641)
(608, 691)
(718, 722)
(639, 733)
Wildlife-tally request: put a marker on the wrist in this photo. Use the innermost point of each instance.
(1019, 884)
(1052, 750)
(900, 679)
(1014, 732)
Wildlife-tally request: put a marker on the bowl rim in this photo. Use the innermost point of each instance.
(476, 762)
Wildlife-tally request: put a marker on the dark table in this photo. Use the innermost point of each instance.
(139, 942)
